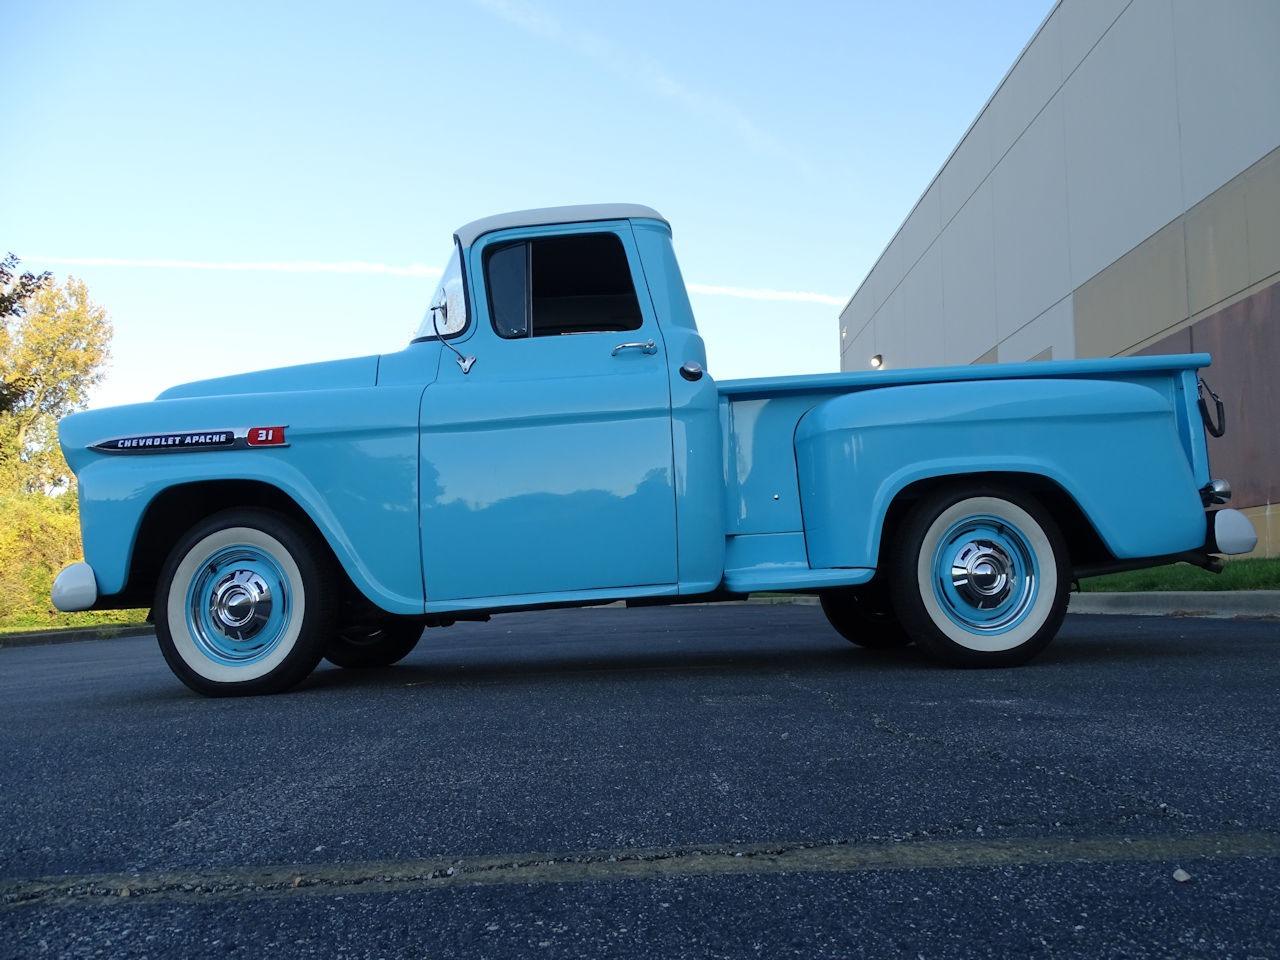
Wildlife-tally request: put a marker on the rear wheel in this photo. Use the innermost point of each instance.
(378, 644)
(980, 576)
(244, 604)
(862, 615)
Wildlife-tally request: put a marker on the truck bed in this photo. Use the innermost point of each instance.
(781, 535)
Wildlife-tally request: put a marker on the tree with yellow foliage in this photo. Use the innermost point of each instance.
(54, 343)
(52, 352)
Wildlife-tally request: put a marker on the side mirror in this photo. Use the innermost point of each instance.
(445, 321)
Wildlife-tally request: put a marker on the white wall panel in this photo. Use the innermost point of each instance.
(969, 280)
(922, 309)
(1228, 57)
(886, 274)
(967, 168)
(1123, 164)
(855, 317)
(921, 228)
(1029, 194)
(1082, 23)
(890, 333)
(860, 351)
(1030, 85)
(1054, 328)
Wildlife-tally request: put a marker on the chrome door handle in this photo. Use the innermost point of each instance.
(647, 347)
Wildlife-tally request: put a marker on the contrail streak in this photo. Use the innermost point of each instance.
(402, 270)
(270, 266)
(759, 293)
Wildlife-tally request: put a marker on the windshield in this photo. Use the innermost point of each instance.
(447, 310)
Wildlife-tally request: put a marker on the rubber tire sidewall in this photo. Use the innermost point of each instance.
(401, 636)
(304, 560)
(921, 614)
(864, 616)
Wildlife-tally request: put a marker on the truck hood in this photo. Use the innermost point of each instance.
(328, 375)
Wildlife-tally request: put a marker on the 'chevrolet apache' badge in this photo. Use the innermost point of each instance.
(232, 439)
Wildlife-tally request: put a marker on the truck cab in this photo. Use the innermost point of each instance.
(552, 436)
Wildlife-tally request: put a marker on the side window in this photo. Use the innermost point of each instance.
(507, 276)
(560, 285)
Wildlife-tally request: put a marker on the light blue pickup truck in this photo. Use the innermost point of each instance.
(552, 437)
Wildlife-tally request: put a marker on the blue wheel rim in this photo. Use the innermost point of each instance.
(238, 605)
(985, 575)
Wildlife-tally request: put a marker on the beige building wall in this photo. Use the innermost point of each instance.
(1119, 193)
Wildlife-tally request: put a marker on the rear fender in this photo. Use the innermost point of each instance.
(1114, 447)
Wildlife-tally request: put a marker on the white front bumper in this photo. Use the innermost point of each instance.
(76, 588)
(1231, 532)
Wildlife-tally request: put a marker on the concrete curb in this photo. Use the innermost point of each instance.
(74, 635)
(1260, 604)
(803, 599)
(1257, 604)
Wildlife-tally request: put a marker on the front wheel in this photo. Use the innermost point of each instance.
(244, 604)
(980, 576)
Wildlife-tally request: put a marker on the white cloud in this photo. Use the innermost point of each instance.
(270, 266)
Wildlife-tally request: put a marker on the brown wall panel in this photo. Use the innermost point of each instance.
(1177, 342)
(1244, 339)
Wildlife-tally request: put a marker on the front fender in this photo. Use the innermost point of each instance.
(1112, 446)
(351, 465)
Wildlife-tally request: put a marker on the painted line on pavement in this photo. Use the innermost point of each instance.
(626, 864)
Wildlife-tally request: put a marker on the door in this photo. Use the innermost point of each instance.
(547, 469)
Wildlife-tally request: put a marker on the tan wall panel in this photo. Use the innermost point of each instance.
(1262, 215)
(1270, 532)
(1217, 247)
(1142, 293)
(1265, 520)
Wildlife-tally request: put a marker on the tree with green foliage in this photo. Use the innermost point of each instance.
(15, 290)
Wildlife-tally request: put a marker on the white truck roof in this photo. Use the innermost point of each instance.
(469, 233)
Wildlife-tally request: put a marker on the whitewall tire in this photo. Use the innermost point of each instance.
(244, 604)
(980, 575)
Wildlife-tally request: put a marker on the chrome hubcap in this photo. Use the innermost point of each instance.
(981, 573)
(240, 604)
(985, 575)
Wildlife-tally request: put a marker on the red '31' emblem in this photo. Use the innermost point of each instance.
(265, 436)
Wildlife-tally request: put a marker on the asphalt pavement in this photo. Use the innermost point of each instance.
(701, 781)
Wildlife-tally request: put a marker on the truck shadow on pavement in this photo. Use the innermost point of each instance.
(521, 666)
(543, 652)
(515, 664)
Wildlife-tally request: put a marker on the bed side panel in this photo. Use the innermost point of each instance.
(1113, 446)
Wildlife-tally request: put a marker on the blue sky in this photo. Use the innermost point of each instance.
(784, 142)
